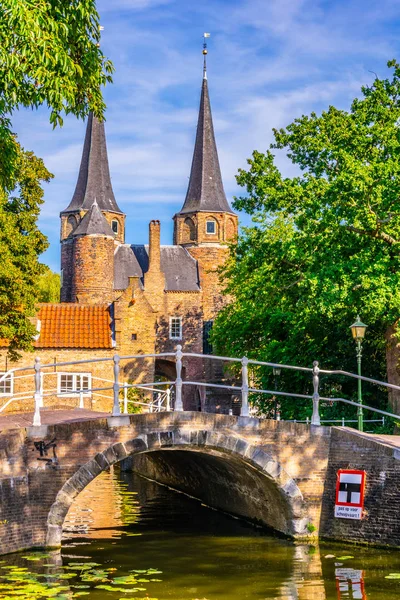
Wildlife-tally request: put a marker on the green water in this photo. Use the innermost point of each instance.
(126, 537)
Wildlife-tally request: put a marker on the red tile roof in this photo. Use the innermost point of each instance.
(70, 325)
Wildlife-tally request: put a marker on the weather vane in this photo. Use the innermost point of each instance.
(205, 52)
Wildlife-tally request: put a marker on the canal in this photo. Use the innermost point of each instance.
(126, 537)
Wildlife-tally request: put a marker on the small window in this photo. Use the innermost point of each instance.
(134, 337)
(71, 384)
(210, 227)
(175, 328)
(114, 225)
(207, 346)
(6, 384)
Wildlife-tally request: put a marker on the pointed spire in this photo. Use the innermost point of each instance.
(94, 179)
(205, 191)
(94, 222)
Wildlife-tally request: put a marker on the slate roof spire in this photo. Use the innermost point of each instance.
(94, 223)
(205, 190)
(94, 179)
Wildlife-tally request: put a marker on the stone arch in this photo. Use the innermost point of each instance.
(70, 225)
(164, 370)
(219, 448)
(230, 230)
(188, 231)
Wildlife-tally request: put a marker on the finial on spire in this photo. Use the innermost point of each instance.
(205, 52)
(95, 202)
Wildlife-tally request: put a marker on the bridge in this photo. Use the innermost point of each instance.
(277, 474)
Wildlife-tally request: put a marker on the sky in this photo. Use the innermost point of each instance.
(269, 62)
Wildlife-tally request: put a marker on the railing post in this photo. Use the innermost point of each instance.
(125, 399)
(315, 419)
(116, 409)
(342, 421)
(244, 411)
(81, 404)
(38, 394)
(168, 399)
(178, 381)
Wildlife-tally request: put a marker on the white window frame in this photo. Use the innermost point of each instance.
(172, 325)
(213, 221)
(75, 392)
(117, 224)
(2, 383)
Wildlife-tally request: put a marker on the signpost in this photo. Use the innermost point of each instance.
(349, 501)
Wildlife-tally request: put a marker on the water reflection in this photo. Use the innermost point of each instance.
(126, 537)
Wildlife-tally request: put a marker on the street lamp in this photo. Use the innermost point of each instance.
(276, 371)
(358, 331)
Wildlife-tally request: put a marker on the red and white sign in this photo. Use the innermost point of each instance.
(350, 584)
(350, 487)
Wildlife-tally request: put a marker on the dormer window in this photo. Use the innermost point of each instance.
(210, 227)
(114, 225)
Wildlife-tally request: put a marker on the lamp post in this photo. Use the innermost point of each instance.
(276, 371)
(358, 331)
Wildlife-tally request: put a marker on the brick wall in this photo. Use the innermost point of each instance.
(93, 274)
(381, 524)
(25, 386)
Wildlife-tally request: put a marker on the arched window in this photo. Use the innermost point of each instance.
(189, 230)
(115, 225)
(211, 227)
(71, 224)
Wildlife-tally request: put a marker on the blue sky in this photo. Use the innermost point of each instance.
(269, 62)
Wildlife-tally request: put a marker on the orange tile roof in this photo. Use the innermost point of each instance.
(69, 325)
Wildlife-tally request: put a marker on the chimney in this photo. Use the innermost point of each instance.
(154, 247)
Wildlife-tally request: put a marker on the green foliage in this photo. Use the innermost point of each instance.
(20, 244)
(49, 286)
(135, 395)
(49, 54)
(324, 246)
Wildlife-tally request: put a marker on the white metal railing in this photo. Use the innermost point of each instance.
(161, 399)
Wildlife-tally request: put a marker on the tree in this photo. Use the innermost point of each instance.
(21, 243)
(325, 244)
(49, 286)
(49, 54)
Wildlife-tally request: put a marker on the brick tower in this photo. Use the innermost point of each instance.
(206, 222)
(94, 184)
(93, 259)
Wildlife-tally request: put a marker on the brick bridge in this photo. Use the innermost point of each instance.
(278, 474)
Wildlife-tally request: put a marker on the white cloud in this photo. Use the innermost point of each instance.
(269, 61)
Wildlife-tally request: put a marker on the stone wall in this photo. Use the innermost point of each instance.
(380, 523)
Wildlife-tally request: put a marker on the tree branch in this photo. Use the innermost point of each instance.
(375, 234)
